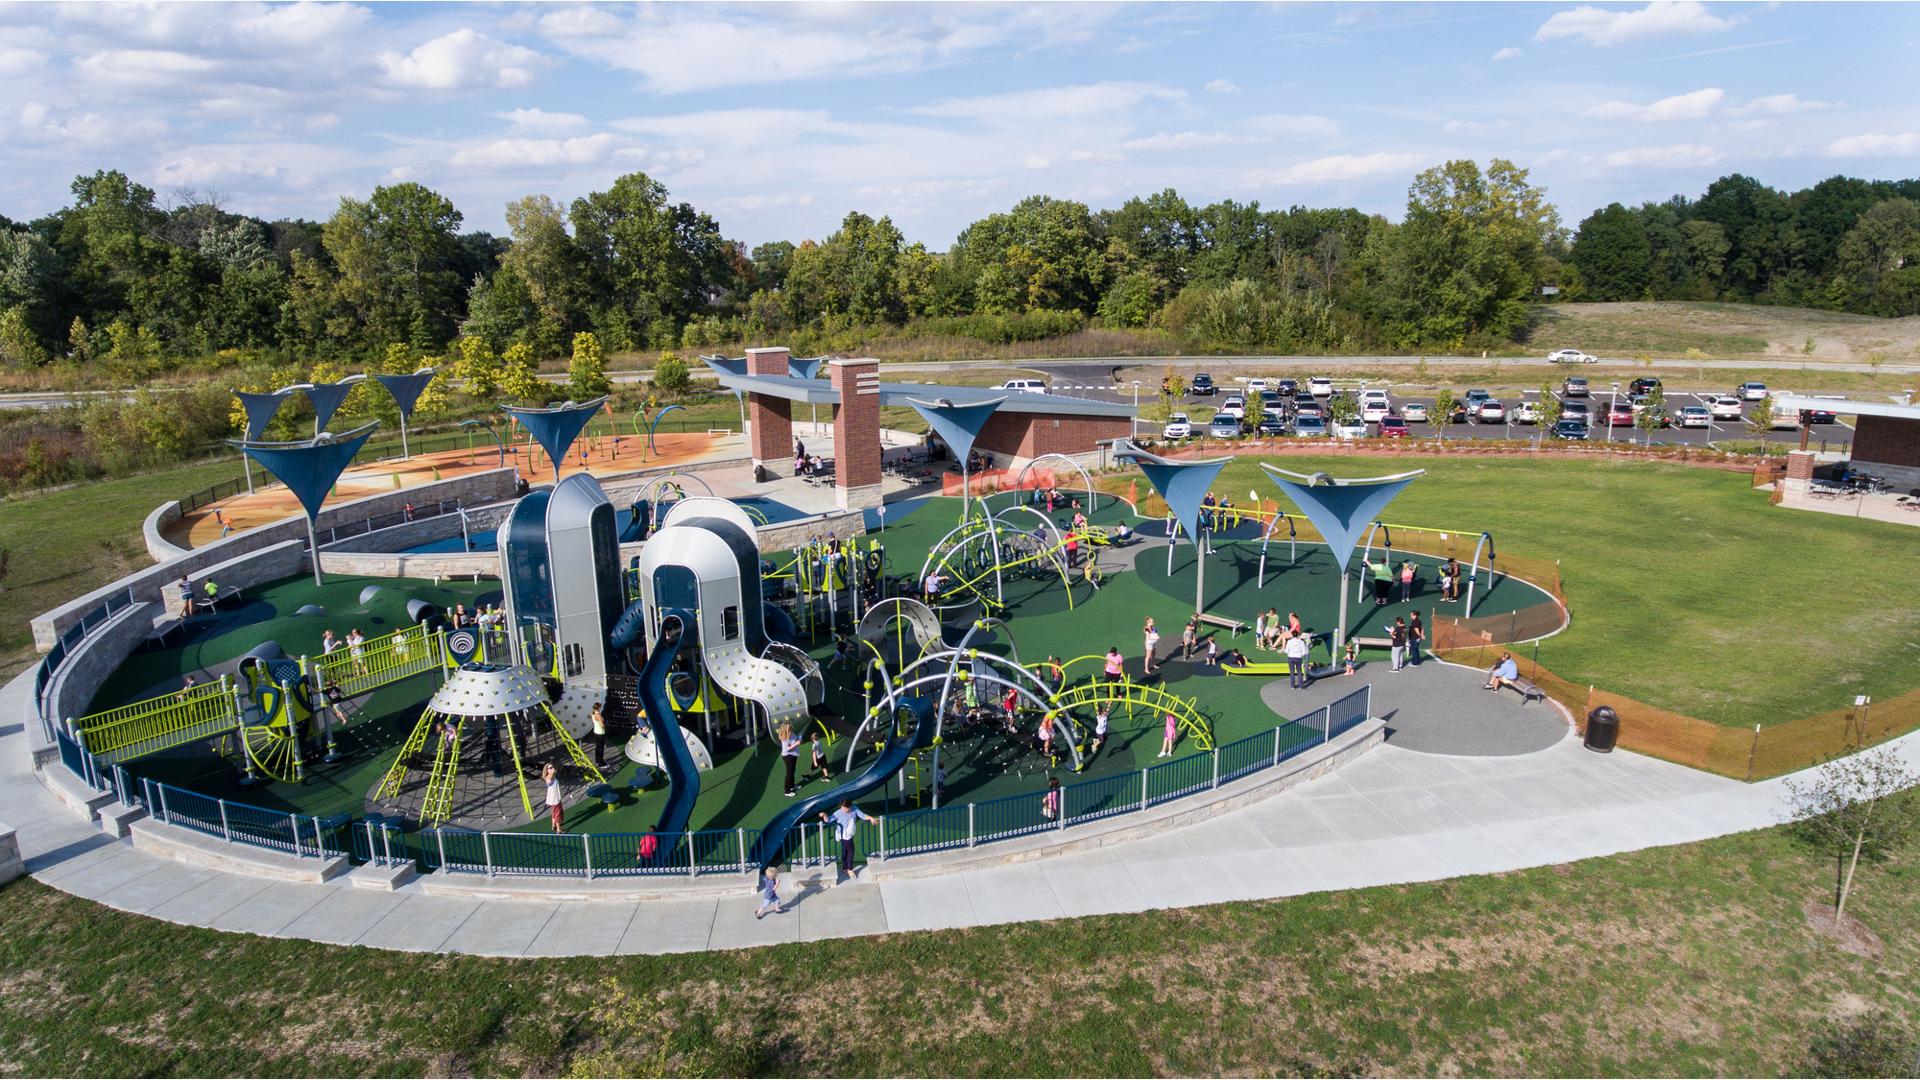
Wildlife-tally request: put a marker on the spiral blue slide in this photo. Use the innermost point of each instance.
(683, 778)
(773, 839)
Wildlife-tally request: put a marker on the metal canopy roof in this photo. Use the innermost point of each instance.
(1849, 407)
(821, 392)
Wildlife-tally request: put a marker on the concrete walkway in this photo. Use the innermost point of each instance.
(1391, 816)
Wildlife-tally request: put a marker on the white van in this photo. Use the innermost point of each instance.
(1024, 386)
(1784, 419)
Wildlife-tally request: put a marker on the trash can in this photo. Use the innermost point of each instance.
(1603, 729)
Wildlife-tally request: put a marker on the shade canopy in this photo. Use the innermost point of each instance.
(726, 365)
(806, 369)
(1184, 484)
(406, 389)
(1340, 509)
(957, 425)
(260, 411)
(310, 467)
(555, 428)
(327, 398)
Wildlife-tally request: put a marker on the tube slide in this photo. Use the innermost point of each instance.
(683, 778)
(773, 839)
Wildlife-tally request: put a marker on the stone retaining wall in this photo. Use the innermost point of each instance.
(95, 658)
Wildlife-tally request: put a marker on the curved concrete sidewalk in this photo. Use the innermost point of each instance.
(1390, 816)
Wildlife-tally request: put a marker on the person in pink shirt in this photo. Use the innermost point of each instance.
(1172, 735)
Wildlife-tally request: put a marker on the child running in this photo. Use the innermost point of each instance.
(820, 770)
(769, 893)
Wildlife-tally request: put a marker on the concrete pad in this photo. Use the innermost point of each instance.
(584, 928)
(1293, 823)
(419, 923)
(1020, 892)
(1356, 818)
(669, 926)
(55, 858)
(848, 911)
(734, 926)
(207, 901)
(938, 903)
(501, 927)
(1276, 874)
(1480, 803)
(1230, 834)
(1418, 810)
(1098, 890)
(272, 908)
(1193, 882)
(343, 917)
(163, 883)
(99, 879)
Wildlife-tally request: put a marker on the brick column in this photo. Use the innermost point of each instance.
(856, 433)
(1800, 464)
(770, 419)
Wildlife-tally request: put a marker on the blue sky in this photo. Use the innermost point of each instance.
(778, 119)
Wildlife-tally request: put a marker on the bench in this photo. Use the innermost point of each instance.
(1526, 689)
(210, 603)
(1383, 644)
(1226, 622)
(164, 627)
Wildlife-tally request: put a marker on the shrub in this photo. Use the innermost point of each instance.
(671, 374)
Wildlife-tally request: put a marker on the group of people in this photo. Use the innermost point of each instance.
(790, 743)
(184, 591)
(355, 644)
(1384, 576)
(1218, 513)
(484, 617)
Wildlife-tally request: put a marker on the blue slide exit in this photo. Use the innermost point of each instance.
(773, 839)
(683, 779)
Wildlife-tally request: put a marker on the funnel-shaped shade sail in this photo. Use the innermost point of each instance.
(726, 365)
(1340, 509)
(260, 409)
(1184, 484)
(957, 425)
(326, 398)
(556, 428)
(406, 389)
(806, 369)
(309, 468)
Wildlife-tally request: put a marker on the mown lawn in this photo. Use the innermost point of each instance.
(1693, 960)
(1687, 590)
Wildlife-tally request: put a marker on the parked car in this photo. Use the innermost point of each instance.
(1309, 426)
(1570, 429)
(1270, 399)
(1288, 387)
(1695, 416)
(1203, 385)
(1526, 413)
(1372, 412)
(1373, 394)
(1223, 427)
(1273, 425)
(1643, 385)
(1752, 391)
(1811, 417)
(1413, 412)
(1311, 408)
(1178, 427)
(1620, 414)
(1457, 414)
(1570, 356)
(1575, 386)
(1024, 386)
(1255, 386)
(1320, 386)
(1783, 418)
(1353, 428)
(1475, 398)
(1394, 427)
(1490, 412)
(1233, 407)
(1725, 408)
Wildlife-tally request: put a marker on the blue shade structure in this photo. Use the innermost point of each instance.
(327, 398)
(1184, 484)
(724, 365)
(1341, 510)
(806, 369)
(957, 426)
(556, 427)
(309, 469)
(260, 411)
(406, 391)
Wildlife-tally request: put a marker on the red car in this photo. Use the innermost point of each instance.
(1620, 414)
(1393, 427)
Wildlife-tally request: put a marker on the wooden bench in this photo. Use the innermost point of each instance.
(1383, 644)
(1526, 689)
(1226, 622)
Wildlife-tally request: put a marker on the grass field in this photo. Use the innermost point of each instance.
(1691, 960)
(1725, 331)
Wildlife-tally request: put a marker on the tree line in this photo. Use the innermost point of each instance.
(118, 283)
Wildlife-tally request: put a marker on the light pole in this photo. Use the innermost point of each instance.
(488, 428)
(1612, 400)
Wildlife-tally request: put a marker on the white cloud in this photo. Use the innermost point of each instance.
(1034, 161)
(460, 60)
(20, 61)
(1292, 125)
(1661, 18)
(1022, 107)
(1507, 53)
(1874, 144)
(542, 122)
(1338, 167)
(535, 153)
(138, 67)
(1694, 106)
(1188, 140)
(322, 122)
(1677, 156)
(1779, 105)
(1222, 86)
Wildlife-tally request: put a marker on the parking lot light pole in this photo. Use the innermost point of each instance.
(1613, 400)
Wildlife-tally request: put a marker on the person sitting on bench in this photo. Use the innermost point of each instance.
(1503, 673)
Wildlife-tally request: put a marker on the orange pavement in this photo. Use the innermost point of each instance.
(606, 456)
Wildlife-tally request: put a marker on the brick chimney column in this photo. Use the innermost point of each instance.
(856, 433)
(770, 419)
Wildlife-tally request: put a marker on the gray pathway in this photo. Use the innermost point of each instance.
(1435, 708)
(1393, 815)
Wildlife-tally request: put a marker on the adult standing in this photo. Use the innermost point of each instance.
(556, 808)
(599, 735)
(846, 825)
(1406, 581)
(1382, 582)
(1297, 647)
(1416, 633)
(1189, 638)
(789, 754)
(1397, 638)
(1115, 670)
(1152, 639)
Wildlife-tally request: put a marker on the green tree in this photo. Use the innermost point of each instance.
(1613, 254)
(587, 373)
(547, 263)
(650, 264)
(1652, 415)
(1881, 256)
(1043, 254)
(671, 375)
(1548, 406)
(1855, 807)
(519, 375)
(18, 346)
(1443, 402)
(478, 366)
(854, 274)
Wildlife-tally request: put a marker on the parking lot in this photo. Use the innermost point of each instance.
(1095, 381)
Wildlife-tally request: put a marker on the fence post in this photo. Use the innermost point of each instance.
(882, 826)
(1216, 766)
(486, 849)
(586, 849)
(1276, 745)
(386, 844)
(226, 830)
(440, 836)
(692, 863)
(372, 855)
(970, 833)
(1326, 724)
(1752, 752)
(293, 821)
(1143, 788)
(740, 836)
(165, 814)
(319, 838)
